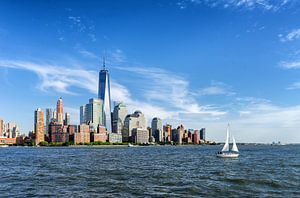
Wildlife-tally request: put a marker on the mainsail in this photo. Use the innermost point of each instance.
(234, 147)
(226, 146)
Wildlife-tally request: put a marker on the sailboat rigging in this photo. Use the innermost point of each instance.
(226, 152)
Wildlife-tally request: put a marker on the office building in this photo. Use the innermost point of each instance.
(93, 113)
(1, 127)
(82, 115)
(11, 130)
(83, 134)
(58, 133)
(104, 95)
(140, 136)
(119, 115)
(54, 117)
(39, 127)
(67, 119)
(167, 132)
(202, 134)
(59, 111)
(132, 121)
(48, 119)
(157, 129)
(177, 134)
(196, 137)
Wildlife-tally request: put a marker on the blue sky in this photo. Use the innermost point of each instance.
(202, 63)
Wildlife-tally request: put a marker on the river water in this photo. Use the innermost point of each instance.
(158, 171)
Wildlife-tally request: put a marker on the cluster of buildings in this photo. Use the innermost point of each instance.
(98, 123)
(9, 132)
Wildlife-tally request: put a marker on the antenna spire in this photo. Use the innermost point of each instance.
(104, 62)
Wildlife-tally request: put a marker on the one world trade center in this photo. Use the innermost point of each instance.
(104, 95)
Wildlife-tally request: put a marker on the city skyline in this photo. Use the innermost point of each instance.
(196, 63)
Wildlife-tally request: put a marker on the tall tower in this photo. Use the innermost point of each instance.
(39, 126)
(67, 119)
(94, 113)
(48, 119)
(157, 129)
(59, 111)
(119, 115)
(1, 127)
(82, 114)
(104, 95)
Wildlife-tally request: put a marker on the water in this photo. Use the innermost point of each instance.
(162, 171)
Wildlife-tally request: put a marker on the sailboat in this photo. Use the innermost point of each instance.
(226, 152)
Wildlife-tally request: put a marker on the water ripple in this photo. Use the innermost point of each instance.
(165, 171)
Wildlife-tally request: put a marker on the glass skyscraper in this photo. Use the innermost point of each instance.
(104, 95)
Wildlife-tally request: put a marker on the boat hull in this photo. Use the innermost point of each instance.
(228, 155)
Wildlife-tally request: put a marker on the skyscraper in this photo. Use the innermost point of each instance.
(48, 119)
(1, 127)
(202, 134)
(59, 111)
(157, 129)
(82, 114)
(132, 121)
(12, 130)
(38, 126)
(67, 119)
(104, 95)
(93, 112)
(120, 112)
(54, 117)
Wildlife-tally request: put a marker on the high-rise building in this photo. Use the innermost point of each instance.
(59, 111)
(202, 134)
(157, 129)
(67, 119)
(104, 95)
(48, 119)
(58, 133)
(11, 130)
(54, 117)
(119, 115)
(135, 120)
(82, 115)
(167, 132)
(177, 134)
(93, 112)
(1, 128)
(39, 126)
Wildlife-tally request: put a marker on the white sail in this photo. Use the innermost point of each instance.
(226, 146)
(234, 147)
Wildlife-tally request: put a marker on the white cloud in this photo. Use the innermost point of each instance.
(216, 88)
(290, 65)
(239, 4)
(82, 26)
(57, 78)
(88, 54)
(295, 85)
(254, 120)
(173, 90)
(292, 35)
(117, 55)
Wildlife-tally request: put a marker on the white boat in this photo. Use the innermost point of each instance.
(226, 152)
(4, 145)
(131, 145)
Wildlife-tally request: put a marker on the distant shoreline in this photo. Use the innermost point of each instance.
(126, 145)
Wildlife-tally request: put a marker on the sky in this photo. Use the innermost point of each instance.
(200, 63)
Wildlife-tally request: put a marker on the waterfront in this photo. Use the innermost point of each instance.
(158, 171)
